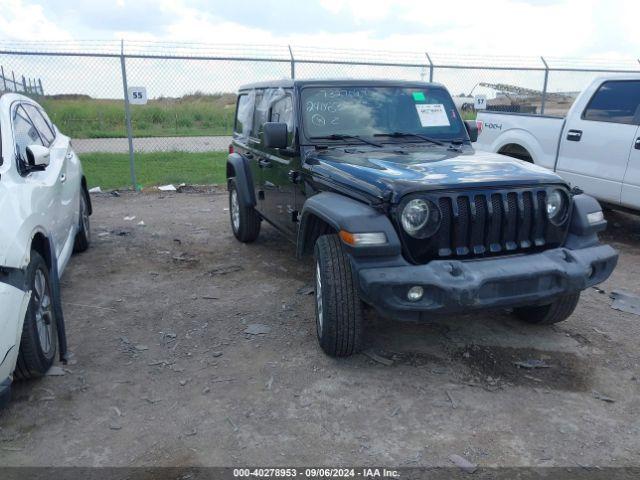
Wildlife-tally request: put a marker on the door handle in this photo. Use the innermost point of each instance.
(63, 178)
(574, 135)
(637, 144)
(265, 163)
(69, 155)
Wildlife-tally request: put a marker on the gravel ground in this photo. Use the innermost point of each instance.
(163, 373)
(152, 144)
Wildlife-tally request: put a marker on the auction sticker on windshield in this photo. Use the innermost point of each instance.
(432, 115)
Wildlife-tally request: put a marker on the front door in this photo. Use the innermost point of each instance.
(42, 189)
(596, 144)
(279, 170)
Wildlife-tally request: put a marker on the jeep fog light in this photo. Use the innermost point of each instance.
(363, 239)
(595, 217)
(415, 293)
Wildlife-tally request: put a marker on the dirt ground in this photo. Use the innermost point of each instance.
(163, 373)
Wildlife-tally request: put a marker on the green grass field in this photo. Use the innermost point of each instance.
(81, 116)
(111, 170)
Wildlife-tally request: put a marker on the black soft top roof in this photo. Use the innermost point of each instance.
(344, 82)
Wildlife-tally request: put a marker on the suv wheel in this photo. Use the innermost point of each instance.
(39, 333)
(338, 306)
(245, 221)
(555, 312)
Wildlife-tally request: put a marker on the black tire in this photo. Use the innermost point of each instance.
(339, 315)
(246, 226)
(83, 237)
(555, 312)
(34, 358)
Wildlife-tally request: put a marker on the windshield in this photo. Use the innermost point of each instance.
(369, 111)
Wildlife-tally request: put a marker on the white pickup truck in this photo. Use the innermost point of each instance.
(596, 147)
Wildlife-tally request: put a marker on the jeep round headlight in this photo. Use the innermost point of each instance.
(420, 218)
(557, 206)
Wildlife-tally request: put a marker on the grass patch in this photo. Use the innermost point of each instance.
(80, 116)
(111, 170)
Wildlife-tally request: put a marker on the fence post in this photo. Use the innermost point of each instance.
(544, 86)
(293, 63)
(4, 79)
(24, 84)
(127, 115)
(41, 89)
(430, 67)
(15, 85)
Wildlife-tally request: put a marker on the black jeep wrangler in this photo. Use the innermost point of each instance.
(379, 181)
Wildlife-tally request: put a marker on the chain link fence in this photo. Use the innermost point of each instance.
(190, 88)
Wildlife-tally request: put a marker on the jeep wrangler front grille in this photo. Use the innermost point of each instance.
(484, 223)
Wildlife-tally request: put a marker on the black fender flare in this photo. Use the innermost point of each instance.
(57, 306)
(83, 183)
(239, 165)
(344, 213)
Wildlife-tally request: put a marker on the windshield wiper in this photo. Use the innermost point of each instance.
(339, 136)
(406, 134)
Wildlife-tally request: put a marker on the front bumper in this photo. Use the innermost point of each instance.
(452, 286)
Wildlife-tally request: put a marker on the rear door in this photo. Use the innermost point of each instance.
(278, 172)
(631, 185)
(242, 131)
(595, 146)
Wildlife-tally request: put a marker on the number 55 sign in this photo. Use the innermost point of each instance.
(137, 95)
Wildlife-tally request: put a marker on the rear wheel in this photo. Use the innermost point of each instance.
(555, 312)
(38, 343)
(245, 220)
(338, 305)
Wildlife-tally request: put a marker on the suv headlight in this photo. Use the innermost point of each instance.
(557, 206)
(420, 218)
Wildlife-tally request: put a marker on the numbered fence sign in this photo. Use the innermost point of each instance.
(137, 95)
(480, 102)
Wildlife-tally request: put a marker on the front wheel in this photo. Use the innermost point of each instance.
(38, 343)
(338, 305)
(245, 220)
(555, 312)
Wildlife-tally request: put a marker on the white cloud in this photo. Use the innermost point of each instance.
(21, 21)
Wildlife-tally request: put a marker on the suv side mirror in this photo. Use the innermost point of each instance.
(274, 135)
(38, 156)
(472, 129)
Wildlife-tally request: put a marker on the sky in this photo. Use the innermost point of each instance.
(488, 32)
(567, 28)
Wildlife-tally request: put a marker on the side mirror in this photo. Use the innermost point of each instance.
(472, 130)
(274, 135)
(38, 156)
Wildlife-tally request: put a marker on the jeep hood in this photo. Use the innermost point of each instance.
(392, 173)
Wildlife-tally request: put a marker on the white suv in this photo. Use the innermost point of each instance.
(44, 218)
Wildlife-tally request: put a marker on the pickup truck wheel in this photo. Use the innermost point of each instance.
(245, 221)
(338, 306)
(83, 237)
(38, 344)
(555, 312)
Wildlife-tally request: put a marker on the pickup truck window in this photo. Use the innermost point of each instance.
(615, 102)
(366, 111)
